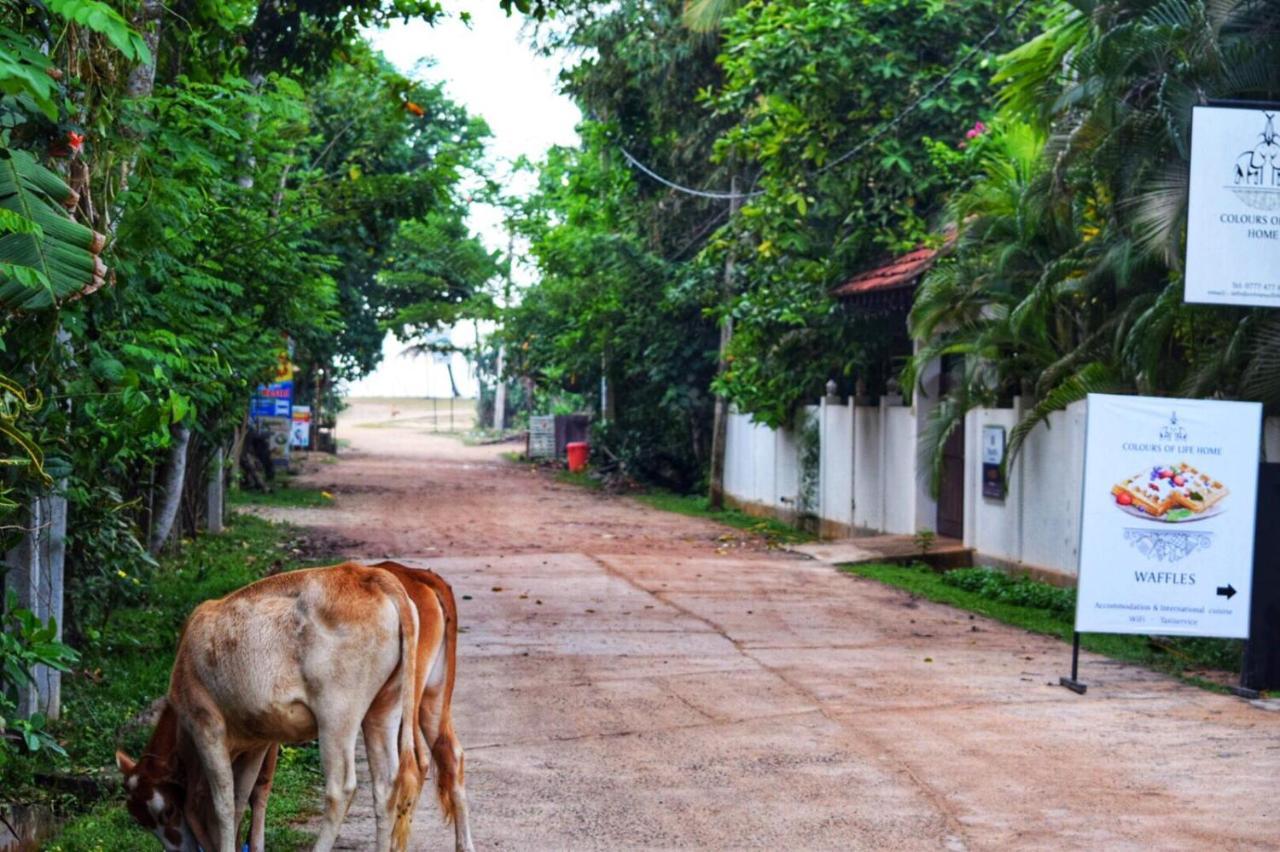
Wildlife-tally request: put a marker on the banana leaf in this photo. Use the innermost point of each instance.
(56, 260)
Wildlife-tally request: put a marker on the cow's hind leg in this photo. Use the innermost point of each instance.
(338, 758)
(381, 745)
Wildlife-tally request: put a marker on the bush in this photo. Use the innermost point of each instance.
(1020, 591)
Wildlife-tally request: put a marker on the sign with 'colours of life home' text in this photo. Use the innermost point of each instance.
(1167, 527)
(1233, 209)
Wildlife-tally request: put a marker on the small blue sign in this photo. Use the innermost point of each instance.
(273, 400)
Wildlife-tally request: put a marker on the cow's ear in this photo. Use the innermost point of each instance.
(125, 763)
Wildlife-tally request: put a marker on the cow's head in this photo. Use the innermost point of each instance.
(154, 797)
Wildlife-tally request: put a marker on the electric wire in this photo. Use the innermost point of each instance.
(875, 136)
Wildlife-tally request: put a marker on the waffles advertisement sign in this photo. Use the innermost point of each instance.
(1233, 218)
(1166, 537)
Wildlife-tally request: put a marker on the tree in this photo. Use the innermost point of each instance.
(1067, 278)
(184, 188)
(834, 101)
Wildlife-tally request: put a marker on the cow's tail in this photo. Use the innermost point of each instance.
(448, 758)
(408, 783)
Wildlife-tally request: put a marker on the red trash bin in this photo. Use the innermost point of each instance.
(577, 452)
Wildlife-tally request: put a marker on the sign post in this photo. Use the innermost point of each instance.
(1167, 518)
(1233, 218)
(271, 408)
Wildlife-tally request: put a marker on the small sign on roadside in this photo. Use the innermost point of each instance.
(992, 458)
(301, 436)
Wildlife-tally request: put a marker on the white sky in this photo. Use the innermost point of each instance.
(489, 69)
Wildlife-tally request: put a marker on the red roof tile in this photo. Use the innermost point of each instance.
(900, 272)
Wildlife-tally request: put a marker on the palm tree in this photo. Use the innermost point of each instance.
(706, 16)
(1067, 273)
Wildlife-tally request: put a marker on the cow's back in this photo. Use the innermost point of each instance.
(267, 653)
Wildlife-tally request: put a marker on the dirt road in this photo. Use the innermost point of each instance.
(628, 680)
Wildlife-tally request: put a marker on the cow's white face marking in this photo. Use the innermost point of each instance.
(132, 783)
(156, 803)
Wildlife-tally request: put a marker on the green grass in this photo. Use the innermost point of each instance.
(580, 478)
(696, 506)
(128, 667)
(282, 495)
(1042, 608)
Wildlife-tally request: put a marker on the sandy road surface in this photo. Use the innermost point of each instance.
(629, 680)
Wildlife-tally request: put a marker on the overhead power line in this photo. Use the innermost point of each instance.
(875, 136)
(701, 193)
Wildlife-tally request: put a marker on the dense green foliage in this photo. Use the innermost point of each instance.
(622, 293)
(809, 84)
(1043, 144)
(636, 276)
(1067, 275)
(187, 191)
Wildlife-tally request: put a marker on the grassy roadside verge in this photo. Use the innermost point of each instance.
(282, 494)
(697, 506)
(128, 667)
(1042, 608)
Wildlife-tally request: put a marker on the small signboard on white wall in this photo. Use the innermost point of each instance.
(1233, 218)
(1166, 539)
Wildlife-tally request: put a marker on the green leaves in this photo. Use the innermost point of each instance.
(102, 19)
(26, 642)
(45, 257)
(1066, 278)
(24, 72)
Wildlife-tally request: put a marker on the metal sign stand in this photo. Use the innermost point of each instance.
(1073, 683)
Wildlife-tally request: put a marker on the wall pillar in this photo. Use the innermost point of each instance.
(924, 399)
(36, 577)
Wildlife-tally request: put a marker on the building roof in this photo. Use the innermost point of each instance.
(901, 272)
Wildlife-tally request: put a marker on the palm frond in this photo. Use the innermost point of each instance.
(1158, 214)
(1261, 379)
(706, 16)
(1094, 377)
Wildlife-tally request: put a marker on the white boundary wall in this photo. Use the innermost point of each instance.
(1037, 524)
(867, 454)
(870, 480)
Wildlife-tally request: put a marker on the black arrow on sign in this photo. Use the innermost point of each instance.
(1227, 591)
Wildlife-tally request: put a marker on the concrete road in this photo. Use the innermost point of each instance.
(632, 679)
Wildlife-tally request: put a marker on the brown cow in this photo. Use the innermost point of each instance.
(437, 669)
(324, 652)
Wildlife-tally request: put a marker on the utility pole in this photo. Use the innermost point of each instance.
(720, 424)
(500, 390)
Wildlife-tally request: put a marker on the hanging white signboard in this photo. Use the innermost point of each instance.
(1166, 538)
(1233, 219)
